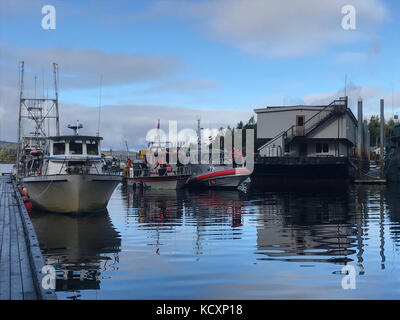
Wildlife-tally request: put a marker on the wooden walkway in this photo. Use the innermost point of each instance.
(21, 261)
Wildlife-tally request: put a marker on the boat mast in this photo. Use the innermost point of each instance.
(21, 88)
(198, 141)
(55, 72)
(32, 113)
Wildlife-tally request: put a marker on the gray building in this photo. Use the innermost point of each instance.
(307, 131)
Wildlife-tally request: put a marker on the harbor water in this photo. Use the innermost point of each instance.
(269, 243)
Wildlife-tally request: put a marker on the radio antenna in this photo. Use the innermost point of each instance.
(98, 123)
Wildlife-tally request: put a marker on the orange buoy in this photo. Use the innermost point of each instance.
(25, 192)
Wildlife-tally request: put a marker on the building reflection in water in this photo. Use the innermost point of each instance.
(231, 232)
(392, 197)
(80, 248)
(307, 226)
(325, 224)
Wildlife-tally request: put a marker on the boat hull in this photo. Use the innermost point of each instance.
(231, 178)
(159, 182)
(71, 193)
(392, 169)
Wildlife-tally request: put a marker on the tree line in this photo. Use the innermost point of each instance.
(374, 125)
(7, 155)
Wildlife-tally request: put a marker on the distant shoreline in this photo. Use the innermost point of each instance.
(5, 162)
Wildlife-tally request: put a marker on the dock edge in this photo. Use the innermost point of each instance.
(36, 258)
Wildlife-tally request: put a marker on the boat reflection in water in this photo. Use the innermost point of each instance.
(81, 248)
(220, 244)
(170, 206)
(307, 226)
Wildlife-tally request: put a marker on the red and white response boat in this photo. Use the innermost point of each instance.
(218, 176)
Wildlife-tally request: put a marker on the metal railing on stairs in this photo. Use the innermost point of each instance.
(338, 106)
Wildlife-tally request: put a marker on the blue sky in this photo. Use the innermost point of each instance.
(219, 59)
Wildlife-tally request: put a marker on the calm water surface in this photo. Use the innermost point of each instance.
(259, 244)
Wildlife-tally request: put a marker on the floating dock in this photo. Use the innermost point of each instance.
(370, 181)
(21, 261)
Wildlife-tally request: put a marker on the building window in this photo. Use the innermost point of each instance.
(322, 148)
(300, 121)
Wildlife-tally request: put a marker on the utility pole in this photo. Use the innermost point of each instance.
(382, 133)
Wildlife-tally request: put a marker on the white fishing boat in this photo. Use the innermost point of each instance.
(158, 174)
(69, 176)
(163, 178)
(62, 173)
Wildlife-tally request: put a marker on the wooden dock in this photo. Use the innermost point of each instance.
(21, 261)
(370, 181)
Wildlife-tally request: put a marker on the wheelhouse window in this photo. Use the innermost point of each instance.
(92, 147)
(58, 148)
(75, 147)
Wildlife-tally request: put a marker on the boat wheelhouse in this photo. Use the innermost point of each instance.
(72, 154)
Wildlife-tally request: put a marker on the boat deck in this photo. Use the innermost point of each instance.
(21, 261)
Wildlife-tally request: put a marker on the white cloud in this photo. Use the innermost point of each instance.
(119, 123)
(284, 28)
(131, 123)
(370, 95)
(82, 68)
(186, 86)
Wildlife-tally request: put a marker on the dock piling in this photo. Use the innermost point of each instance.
(360, 133)
(382, 138)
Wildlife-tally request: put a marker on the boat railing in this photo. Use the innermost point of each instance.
(160, 171)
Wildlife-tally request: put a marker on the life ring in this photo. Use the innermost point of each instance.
(213, 182)
(169, 168)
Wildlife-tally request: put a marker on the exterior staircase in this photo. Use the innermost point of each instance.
(330, 111)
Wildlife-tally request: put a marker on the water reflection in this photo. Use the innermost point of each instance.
(81, 248)
(307, 226)
(229, 244)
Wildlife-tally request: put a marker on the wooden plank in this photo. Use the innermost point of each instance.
(5, 253)
(28, 286)
(16, 291)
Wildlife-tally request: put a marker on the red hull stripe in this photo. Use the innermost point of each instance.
(158, 179)
(222, 173)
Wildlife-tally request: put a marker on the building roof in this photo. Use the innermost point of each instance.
(271, 109)
(288, 108)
